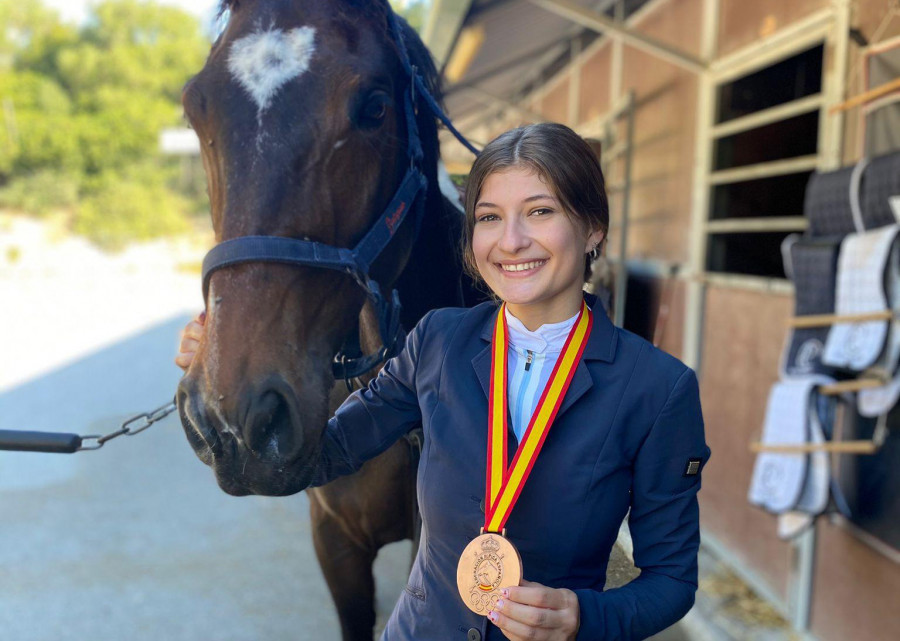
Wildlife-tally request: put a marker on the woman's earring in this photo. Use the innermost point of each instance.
(595, 252)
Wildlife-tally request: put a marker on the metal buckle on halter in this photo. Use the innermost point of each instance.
(343, 363)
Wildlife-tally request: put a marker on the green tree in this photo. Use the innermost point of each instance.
(26, 25)
(83, 107)
(414, 11)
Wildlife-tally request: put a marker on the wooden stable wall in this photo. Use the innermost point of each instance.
(743, 320)
(743, 23)
(665, 134)
(741, 348)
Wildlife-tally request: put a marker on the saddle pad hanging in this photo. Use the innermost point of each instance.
(812, 264)
(814, 497)
(778, 478)
(875, 401)
(887, 363)
(881, 191)
(827, 203)
(860, 289)
(816, 492)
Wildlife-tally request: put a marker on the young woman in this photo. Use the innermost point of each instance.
(543, 423)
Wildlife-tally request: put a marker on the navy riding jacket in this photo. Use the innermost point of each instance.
(629, 434)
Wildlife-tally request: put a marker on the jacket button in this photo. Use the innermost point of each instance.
(473, 635)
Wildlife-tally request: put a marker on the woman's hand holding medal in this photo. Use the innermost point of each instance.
(534, 611)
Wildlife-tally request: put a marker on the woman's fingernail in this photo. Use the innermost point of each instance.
(504, 593)
(202, 317)
(492, 615)
(499, 605)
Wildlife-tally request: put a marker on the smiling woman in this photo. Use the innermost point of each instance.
(531, 186)
(598, 419)
(526, 244)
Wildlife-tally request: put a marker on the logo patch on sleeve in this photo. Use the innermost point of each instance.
(693, 467)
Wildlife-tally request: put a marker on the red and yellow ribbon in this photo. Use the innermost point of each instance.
(504, 485)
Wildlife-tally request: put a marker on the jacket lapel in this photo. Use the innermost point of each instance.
(482, 365)
(601, 345)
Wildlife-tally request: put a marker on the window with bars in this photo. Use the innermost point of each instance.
(764, 148)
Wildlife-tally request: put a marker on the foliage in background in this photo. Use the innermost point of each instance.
(414, 11)
(81, 109)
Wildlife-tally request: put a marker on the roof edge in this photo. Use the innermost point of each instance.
(442, 26)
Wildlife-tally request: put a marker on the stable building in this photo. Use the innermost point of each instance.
(711, 117)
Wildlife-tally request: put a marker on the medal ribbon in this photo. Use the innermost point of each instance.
(505, 485)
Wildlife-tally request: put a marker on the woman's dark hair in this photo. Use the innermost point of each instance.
(559, 156)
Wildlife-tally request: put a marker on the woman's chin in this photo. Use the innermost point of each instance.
(519, 296)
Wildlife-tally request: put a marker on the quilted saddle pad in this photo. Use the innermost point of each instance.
(863, 283)
(779, 480)
(827, 203)
(812, 265)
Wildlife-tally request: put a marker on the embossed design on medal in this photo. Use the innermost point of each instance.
(487, 575)
(489, 563)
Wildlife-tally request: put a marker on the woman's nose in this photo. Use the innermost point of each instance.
(515, 237)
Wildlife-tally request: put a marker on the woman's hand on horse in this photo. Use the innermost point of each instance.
(534, 611)
(190, 341)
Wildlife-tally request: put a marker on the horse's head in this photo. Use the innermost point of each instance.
(299, 111)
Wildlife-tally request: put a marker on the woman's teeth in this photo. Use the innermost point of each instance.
(521, 267)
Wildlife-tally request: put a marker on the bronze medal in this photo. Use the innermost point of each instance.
(489, 563)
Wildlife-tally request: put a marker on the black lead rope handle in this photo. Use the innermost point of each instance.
(52, 442)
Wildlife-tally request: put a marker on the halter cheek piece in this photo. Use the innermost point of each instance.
(357, 261)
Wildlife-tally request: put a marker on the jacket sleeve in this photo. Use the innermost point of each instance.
(374, 418)
(664, 524)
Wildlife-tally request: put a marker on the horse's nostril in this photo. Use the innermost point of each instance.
(270, 429)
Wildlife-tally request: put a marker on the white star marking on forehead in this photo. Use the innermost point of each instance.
(265, 60)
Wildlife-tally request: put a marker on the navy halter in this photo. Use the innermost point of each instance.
(356, 261)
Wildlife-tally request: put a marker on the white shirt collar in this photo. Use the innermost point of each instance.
(549, 337)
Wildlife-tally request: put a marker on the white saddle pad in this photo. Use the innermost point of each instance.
(875, 401)
(779, 480)
(860, 289)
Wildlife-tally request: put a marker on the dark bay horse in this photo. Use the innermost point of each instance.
(300, 113)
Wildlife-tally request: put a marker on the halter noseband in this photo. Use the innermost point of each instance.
(357, 261)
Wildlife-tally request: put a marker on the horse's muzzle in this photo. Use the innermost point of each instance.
(254, 447)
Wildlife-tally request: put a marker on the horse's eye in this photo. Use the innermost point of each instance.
(374, 109)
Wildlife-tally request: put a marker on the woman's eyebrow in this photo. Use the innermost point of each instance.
(527, 200)
(539, 197)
